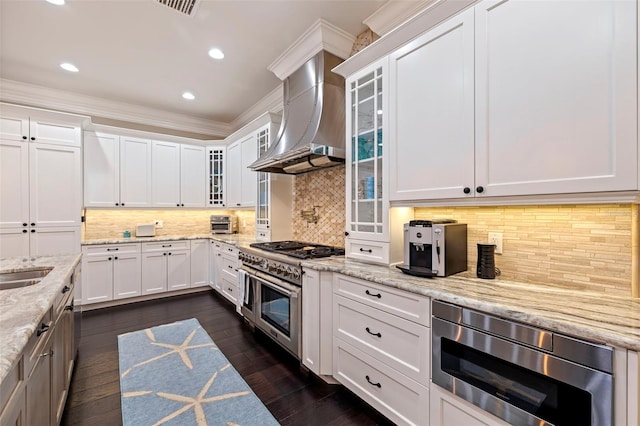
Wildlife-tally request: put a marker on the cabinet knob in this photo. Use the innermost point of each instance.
(466, 190)
(24, 224)
(43, 329)
(164, 254)
(24, 231)
(33, 230)
(109, 258)
(65, 289)
(122, 204)
(116, 257)
(178, 205)
(479, 190)
(169, 254)
(237, 204)
(346, 234)
(117, 204)
(24, 137)
(33, 224)
(33, 138)
(181, 205)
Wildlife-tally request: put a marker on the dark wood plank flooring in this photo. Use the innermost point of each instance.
(293, 396)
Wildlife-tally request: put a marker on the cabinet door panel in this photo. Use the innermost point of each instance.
(193, 176)
(446, 409)
(199, 258)
(14, 175)
(38, 391)
(54, 241)
(249, 178)
(127, 276)
(166, 174)
(55, 185)
(43, 131)
(135, 172)
(13, 127)
(178, 270)
(154, 273)
(58, 371)
(14, 242)
(432, 118)
(101, 170)
(97, 279)
(556, 109)
(234, 175)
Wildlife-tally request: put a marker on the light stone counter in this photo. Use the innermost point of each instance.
(235, 239)
(594, 316)
(21, 309)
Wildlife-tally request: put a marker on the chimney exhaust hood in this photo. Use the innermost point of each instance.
(312, 132)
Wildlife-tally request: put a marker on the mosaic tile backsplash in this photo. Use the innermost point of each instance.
(584, 247)
(324, 189)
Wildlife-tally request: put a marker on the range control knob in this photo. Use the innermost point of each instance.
(272, 266)
(288, 272)
(264, 263)
(296, 274)
(281, 270)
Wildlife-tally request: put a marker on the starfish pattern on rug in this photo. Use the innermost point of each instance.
(180, 349)
(194, 403)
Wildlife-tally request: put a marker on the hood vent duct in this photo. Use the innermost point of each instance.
(188, 7)
(312, 131)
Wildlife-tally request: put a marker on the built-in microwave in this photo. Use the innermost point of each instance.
(224, 224)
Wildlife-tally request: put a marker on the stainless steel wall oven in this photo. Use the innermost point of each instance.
(522, 374)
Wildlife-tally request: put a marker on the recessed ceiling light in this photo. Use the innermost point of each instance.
(56, 2)
(216, 53)
(188, 95)
(69, 67)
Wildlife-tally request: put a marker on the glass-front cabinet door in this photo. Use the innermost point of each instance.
(216, 170)
(262, 207)
(367, 196)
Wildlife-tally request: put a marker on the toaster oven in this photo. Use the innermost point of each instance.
(224, 224)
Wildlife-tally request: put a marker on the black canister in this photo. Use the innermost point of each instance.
(486, 261)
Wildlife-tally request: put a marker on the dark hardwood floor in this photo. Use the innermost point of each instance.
(293, 396)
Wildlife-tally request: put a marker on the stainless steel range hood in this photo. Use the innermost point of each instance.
(312, 133)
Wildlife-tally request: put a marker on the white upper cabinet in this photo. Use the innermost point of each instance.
(216, 176)
(556, 97)
(515, 98)
(25, 124)
(165, 166)
(117, 171)
(135, 172)
(242, 182)
(193, 176)
(431, 86)
(179, 175)
(14, 199)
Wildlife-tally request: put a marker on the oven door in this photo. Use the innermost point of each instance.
(521, 385)
(278, 311)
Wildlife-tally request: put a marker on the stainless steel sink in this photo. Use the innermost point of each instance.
(9, 280)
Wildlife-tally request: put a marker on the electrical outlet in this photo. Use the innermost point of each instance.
(496, 238)
(159, 224)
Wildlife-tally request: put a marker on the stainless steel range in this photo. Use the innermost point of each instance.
(272, 299)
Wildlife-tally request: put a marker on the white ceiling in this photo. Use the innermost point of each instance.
(144, 53)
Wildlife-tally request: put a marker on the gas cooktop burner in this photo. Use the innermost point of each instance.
(299, 249)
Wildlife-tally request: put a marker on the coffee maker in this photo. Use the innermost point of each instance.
(434, 248)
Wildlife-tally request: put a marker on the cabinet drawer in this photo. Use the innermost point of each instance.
(166, 245)
(100, 250)
(229, 249)
(401, 344)
(263, 234)
(12, 383)
(401, 399)
(404, 304)
(229, 289)
(229, 268)
(63, 298)
(372, 251)
(36, 344)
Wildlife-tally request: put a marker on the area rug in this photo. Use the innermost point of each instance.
(174, 374)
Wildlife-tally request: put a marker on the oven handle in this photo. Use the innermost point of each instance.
(273, 282)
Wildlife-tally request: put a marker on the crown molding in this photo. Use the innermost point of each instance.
(272, 103)
(393, 13)
(253, 125)
(322, 35)
(61, 100)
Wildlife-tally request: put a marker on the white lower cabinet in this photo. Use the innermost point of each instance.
(447, 409)
(398, 397)
(215, 265)
(229, 274)
(381, 347)
(111, 271)
(199, 258)
(165, 266)
(317, 320)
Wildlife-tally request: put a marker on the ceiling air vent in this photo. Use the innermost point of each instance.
(188, 7)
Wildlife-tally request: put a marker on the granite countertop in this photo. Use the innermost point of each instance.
(21, 309)
(593, 316)
(234, 239)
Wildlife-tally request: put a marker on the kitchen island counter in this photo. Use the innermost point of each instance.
(594, 316)
(21, 309)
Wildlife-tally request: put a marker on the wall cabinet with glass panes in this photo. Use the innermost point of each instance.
(369, 235)
(216, 169)
(275, 192)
